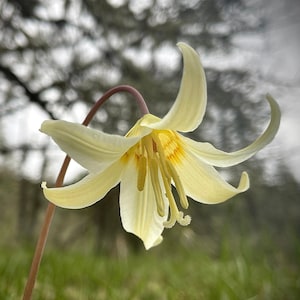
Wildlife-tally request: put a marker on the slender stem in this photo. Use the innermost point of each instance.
(39, 250)
(121, 88)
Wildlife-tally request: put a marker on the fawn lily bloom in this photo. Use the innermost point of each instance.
(152, 157)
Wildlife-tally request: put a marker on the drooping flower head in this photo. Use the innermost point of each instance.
(151, 158)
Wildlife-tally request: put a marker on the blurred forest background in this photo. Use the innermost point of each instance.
(58, 57)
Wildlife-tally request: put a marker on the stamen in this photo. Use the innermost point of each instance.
(169, 169)
(142, 170)
(160, 150)
(153, 165)
(182, 196)
(173, 207)
(169, 172)
(148, 143)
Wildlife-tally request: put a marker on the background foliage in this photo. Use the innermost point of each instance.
(58, 57)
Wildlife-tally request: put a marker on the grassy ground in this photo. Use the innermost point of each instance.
(227, 259)
(237, 272)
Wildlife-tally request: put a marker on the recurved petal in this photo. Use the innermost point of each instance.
(92, 149)
(203, 183)
(189, 107)
(87, 191)
(138, 208)
(209, 154)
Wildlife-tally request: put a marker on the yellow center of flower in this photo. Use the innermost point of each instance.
(155, 155)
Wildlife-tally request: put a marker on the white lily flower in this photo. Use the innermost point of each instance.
(152, 157)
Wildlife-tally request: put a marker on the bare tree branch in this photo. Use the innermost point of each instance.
(33, 96)
(22, 147)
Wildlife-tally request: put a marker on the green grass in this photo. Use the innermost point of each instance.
(162, 273)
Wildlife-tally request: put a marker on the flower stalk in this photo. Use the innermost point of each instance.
(41, 243)
(39, 250)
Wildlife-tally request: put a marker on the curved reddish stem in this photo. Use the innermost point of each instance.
(40, 246)
(121, 88)
(39, 250)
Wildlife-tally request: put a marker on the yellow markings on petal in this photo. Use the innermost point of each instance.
(171, 145)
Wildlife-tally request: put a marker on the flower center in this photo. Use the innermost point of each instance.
(156, 154)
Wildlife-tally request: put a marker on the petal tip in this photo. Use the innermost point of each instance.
(275, 117)
(188, 110)
(244, 182)
(182, 46)
(275, 109)
(154, 244)
(46, 125)
(44, 185)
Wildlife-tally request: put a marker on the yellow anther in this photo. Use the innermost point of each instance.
(173, 207)
(182, 196)
(142, 170)
(153, 166)
(148, 143)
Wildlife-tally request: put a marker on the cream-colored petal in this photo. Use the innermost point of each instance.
(92, 149)
(87, 191)
(189, 107)
(203, 183)
(138, 208)
(138, 130)
(209, 154)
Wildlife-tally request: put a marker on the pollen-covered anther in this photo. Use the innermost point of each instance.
(180, 190)
(142, 170)
(153, 166)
